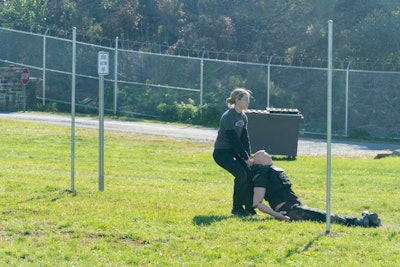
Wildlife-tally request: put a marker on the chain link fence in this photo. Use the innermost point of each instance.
(365, 102)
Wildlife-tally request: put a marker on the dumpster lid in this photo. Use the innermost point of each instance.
(270, 110)
(283, 110)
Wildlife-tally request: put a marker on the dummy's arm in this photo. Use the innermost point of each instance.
(258, 197)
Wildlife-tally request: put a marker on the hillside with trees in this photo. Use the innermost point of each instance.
(364, 29)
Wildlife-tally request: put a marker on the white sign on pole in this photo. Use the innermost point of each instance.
(103, 63)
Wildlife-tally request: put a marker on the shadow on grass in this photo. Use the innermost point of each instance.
(208, 220)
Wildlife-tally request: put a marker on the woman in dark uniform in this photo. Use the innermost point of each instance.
(232, 150)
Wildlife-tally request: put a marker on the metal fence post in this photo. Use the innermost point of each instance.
(269, 79)
(201, 84)
(346, 123)
(116, 76)
(44, 67)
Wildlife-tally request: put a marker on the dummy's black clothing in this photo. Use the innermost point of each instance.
(231, 150)
(278, 190)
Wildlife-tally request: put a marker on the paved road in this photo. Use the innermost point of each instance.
(306, 146)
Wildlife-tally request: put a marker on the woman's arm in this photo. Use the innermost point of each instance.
(237, 145)
(244, 139)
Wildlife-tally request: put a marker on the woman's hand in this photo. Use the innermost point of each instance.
(249, 162)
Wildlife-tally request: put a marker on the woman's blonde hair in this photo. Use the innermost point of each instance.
(237, 94)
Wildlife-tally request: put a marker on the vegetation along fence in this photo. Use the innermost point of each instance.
(191, 86)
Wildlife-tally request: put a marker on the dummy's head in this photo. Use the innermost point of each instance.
(263, 158)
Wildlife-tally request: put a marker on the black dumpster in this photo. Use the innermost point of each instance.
(276, 130)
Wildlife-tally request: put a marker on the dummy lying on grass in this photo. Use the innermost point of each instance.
(272, 184)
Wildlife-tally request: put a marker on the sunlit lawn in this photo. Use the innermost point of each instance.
(166, 203)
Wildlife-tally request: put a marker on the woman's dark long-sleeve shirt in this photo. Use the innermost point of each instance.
(233, 135)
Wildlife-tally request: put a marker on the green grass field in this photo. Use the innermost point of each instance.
(166, 203)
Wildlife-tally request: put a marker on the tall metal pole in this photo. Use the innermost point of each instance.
(329, 131)
(116, 76)
(101, 133)
(73, 110)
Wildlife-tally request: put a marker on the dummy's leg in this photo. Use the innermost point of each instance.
(303, 212)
